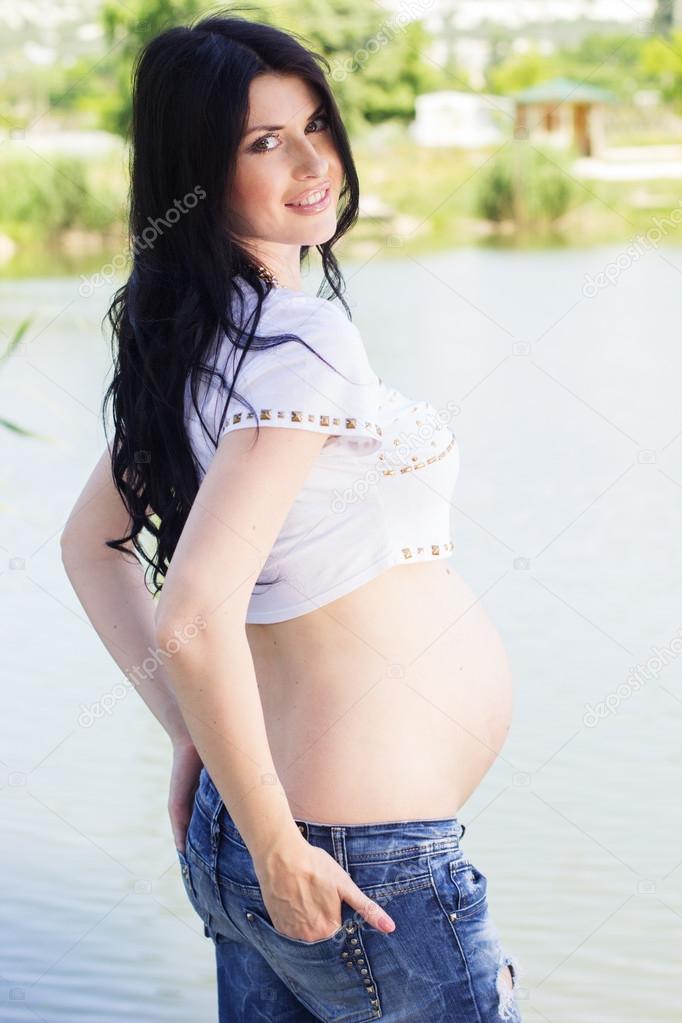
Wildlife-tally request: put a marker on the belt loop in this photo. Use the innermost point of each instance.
(303, 828)
(338, 835)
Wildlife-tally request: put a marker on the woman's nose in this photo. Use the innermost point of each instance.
(311, 162)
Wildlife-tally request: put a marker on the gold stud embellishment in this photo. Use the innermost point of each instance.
(436, 549)
(298, 416)
(419, 465)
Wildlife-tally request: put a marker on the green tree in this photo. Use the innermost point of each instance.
(86, 91)
(520, 71)
(525, 185)
(610, 61)
(377, 61)
(127, 28)
(662, 62)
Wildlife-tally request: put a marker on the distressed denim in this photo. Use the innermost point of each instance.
(443, 963)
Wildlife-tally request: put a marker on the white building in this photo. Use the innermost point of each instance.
(464, 119)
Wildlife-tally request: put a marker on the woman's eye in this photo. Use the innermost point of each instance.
(257, 147)
(320, 118)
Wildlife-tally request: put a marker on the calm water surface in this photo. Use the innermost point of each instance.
(566, 521)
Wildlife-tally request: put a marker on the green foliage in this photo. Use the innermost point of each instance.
(548, 191)
(609, 61)
(620, 61)
(88, 90)
(524, 184)
(127, 29)
(496, 193)
(662, 61)
(520, 72)
(612, 61)
(377, 67)
(53, 192)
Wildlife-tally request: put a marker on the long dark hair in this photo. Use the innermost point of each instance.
(190, 108)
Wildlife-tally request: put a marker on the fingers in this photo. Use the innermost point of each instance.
(179, 827)
(369, 910)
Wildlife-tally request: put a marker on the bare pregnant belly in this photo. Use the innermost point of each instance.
(388, 704)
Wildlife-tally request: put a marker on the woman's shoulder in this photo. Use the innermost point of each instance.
(318, 321)
(288, 303)
(331, 344)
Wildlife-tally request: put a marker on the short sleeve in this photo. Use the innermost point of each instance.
(290, 386)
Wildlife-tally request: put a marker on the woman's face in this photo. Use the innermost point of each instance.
(293, 154)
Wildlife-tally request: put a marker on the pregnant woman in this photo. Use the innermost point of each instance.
(333, 690)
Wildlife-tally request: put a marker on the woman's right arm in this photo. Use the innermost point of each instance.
(234, 521)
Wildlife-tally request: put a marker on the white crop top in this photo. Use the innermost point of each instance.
(379, 492)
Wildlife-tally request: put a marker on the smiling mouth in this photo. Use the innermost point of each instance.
(318, 197)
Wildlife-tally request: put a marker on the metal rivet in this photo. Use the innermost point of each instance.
(249, 916)
(453, 916)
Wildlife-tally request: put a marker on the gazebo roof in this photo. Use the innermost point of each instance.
(561, 90)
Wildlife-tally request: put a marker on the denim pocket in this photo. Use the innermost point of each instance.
(199, 892)
(332, 976)
(234, 866)
(263, 918)
(471, 887)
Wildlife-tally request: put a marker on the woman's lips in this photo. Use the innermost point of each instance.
(316, 208)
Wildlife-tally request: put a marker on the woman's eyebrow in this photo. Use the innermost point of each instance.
(278, 127)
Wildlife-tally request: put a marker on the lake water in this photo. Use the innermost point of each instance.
(567, 524)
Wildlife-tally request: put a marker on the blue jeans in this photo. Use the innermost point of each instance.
(443, 963)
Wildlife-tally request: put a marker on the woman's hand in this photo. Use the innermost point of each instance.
(303, 887)
(184, 782)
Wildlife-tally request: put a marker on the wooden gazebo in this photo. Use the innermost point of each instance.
(564, 113)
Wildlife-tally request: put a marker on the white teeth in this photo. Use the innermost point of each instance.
(311, 199)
